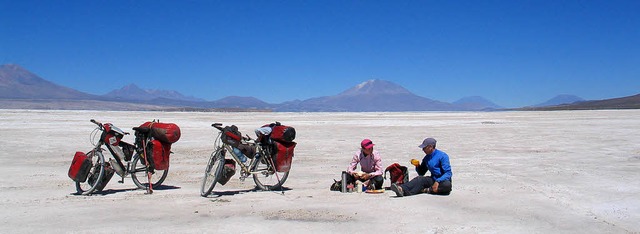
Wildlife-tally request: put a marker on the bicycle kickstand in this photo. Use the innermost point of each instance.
(150, 188)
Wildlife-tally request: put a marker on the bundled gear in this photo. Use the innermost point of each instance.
(278, 139)
(159, 147)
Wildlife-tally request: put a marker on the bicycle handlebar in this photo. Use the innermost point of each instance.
(96, 122)
(101, 126)
(141, 129)
(217, 125)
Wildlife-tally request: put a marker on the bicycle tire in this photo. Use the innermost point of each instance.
(215, 165)
(266, 177)
(95, 175)
(140, 170)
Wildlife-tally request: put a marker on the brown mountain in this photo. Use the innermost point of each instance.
(18, 83)
(372, 95)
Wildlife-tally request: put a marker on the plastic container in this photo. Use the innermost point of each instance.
(241, 156)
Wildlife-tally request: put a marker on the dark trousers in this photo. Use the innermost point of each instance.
(421, 183)
(375, 181)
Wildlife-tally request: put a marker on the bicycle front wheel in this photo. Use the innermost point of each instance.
(265, 176)
(139, 174)
(94, 179)
(212, 171)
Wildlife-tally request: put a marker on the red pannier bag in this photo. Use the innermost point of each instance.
(283, 133)
(283, 155)
(165, 132)
(80, 167)
(159, 153)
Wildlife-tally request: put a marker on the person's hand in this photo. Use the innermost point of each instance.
(355, 175)
(365, 176)
(415, 162)
(434, 187)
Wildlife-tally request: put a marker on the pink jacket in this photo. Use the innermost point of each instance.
(371, 164)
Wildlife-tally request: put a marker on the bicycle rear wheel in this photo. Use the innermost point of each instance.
(212, 171)
(265, 176)
(95, 175)
(139, 174)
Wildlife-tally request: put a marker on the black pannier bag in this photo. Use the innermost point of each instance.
(228, 170)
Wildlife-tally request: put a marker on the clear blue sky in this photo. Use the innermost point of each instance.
(513, 53)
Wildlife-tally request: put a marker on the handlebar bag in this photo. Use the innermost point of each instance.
(165, 132)
(231, 135)
(283, 155)
(80, 167)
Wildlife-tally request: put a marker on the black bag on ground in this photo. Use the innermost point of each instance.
(336, 186)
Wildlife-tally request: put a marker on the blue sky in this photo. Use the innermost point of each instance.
(514, 53)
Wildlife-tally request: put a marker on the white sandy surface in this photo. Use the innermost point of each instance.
(513, 172)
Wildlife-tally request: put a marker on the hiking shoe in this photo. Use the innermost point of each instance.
(397, 189)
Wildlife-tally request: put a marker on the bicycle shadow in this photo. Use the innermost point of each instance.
(166, 187)
(114, 191)
(217, 194)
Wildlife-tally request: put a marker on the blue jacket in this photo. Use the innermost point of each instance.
(438, 164)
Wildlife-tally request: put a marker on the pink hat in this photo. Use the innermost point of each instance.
(366, 144)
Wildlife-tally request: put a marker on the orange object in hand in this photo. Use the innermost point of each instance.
(415, 162)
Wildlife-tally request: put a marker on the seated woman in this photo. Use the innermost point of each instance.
(370, 165)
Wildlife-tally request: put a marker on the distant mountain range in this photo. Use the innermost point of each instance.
(372, 95)
(629, 102)
(476, 103)
(560, 100)
(18, 83)
(20, 88)
(135, 93)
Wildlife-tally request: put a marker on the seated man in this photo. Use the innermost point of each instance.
(370, 164)
(437, 163)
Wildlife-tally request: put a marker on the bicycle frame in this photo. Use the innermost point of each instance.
(261, 165)
(246, 170)
(103, 166)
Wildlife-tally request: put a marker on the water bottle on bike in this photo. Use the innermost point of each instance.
(241, 156)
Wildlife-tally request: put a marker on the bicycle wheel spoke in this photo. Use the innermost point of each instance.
(266, 178)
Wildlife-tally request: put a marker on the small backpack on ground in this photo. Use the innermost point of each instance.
(336, 186)
(399, 174)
